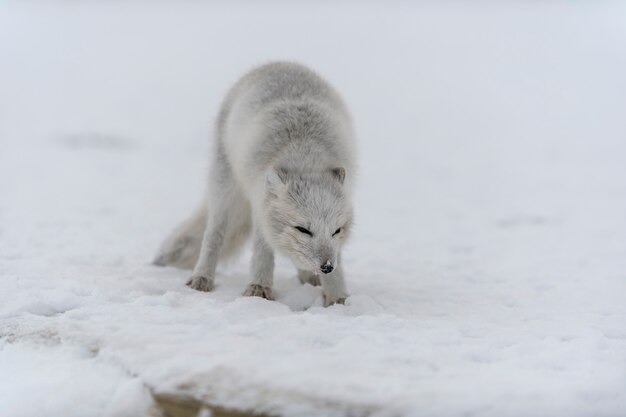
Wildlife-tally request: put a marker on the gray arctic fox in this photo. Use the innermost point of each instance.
(283, 168)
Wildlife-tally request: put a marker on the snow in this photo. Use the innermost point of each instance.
(131, 399)
(487, 269)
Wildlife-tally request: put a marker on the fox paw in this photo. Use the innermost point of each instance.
(256, 290)
(200, 283)
(328, 301)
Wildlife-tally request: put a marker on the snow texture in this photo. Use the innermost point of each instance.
(488, 265)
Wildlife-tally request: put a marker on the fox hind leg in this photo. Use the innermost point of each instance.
(228, 225)
(307, 277)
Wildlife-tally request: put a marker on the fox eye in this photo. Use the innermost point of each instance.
(337, 231)
(303, 230)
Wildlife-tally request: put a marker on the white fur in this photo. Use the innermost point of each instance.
(284, 158)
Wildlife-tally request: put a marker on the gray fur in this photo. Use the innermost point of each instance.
(182, 248)
(284, 158)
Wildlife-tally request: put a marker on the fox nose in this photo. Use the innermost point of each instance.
(327, 268)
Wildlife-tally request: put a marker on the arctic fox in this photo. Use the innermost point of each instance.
(283, 168)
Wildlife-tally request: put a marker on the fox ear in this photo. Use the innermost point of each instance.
(277, 177)
(339, 174)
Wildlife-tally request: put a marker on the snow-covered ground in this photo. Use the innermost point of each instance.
(488, 265)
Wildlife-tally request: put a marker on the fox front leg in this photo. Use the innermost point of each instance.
(334, 286)
(262, 269)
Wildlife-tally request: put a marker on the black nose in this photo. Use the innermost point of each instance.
(327, 268)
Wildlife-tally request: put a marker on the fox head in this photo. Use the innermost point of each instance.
(308, 217)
